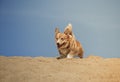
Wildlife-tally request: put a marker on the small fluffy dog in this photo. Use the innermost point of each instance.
(66, 43)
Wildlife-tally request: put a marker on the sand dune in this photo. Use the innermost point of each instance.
(41, 69)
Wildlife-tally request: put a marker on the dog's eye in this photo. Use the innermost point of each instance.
(56, 38)
(62, 38)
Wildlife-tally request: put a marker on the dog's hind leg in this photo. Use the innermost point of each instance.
(80, 55)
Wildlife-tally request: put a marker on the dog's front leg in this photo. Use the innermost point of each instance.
(61, 57)
(69, 56)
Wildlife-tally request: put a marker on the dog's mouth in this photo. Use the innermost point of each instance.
(60, 45)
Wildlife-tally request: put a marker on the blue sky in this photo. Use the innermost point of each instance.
(27, 26)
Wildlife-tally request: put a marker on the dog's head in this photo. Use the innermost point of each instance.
(62, 39)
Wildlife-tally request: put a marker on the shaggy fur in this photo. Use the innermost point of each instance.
(66, 43)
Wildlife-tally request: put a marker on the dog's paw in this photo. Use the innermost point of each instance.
(58, 58)
(69, 56)
(61, 57)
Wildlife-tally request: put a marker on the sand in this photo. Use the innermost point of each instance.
(42, 69)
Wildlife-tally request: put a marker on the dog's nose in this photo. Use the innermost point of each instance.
(58, 44)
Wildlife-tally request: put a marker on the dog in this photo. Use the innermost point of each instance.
(67, 44)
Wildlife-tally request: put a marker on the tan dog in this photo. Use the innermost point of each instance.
(66, 43)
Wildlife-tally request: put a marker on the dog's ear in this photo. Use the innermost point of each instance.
(57, 31)
(68, 30)
(68, 36)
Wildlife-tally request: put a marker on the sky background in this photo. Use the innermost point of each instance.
(27, 26)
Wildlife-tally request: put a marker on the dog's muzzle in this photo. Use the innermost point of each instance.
(60, 45)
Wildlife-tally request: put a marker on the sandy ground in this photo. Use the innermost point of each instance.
(41, 69)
